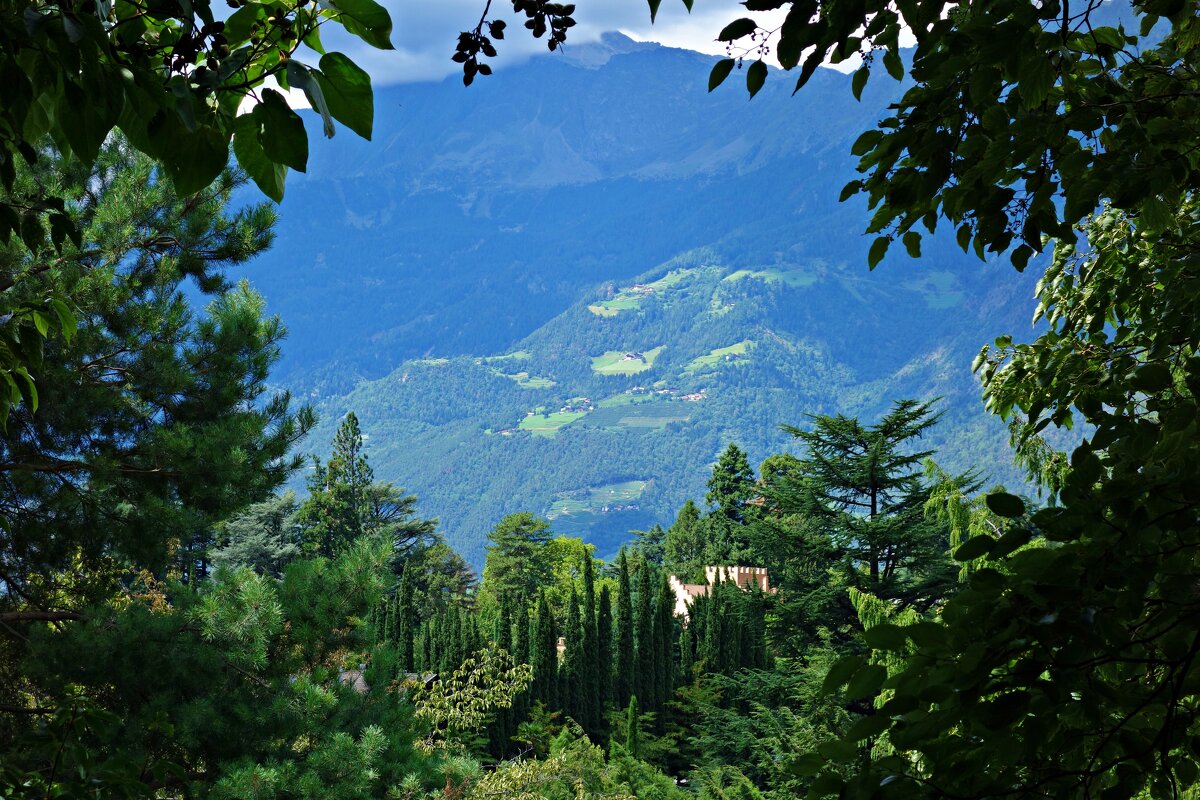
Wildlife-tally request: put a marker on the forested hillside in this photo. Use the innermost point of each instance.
(480, 215)
(599, 417)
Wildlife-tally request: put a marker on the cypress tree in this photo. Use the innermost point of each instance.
(521, 643)
(504, 627)
(646, 672)
(686, 655)
(710, 659)
(633, 744)
(623, 681)
(604, 652)
(664, 635)
(408, 620)
(590, 668)
(545, 656)
(572, 675)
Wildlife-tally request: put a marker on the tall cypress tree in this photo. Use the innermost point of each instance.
(572, 673)
(633, 744)
(664, 635)
(521, 629)
(545, 656)
(623, 681)
(407, 621)
(646, 672)
(590, 668)
(604, 652)
(687, 656)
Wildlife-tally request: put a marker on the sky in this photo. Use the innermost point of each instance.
(425, 32)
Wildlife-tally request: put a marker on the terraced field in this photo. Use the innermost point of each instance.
(796, 278)
(541, 424)
(631, 297)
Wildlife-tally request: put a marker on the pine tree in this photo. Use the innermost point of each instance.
(684, 546)
(624, 666)
(731, 485)
(646, 671)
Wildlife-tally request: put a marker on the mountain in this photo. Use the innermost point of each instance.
(610, 415)
(478, 214)
(567, 288)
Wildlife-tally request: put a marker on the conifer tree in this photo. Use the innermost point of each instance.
(590, 668)
(545, 656)
(731, 485)
(633, 743)
(624, 665)
(646, 672)
(684, 545)
(664, 635)
(406, 633)
(572, 672)
(687, 656)
(604, 652)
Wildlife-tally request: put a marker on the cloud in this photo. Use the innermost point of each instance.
(424, 33)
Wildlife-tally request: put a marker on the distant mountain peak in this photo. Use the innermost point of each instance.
(593, 55)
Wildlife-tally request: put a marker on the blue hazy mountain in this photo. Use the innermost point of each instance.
(567, 288)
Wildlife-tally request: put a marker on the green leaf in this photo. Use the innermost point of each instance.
(266, 174)
(975, 547)
(283, 138)
(302, 78)
(868, 727)
(367, 20)
(867, 681)
(720, 72)
(912, 243)
(893, 64)
(842, 670)
(756, 76)
(1152, 377)
(866, 142)
(41, 323)
(654, 4)
(737, 29)
(859, 81)
(201, 157)
(878, 250)
(1036, 77)
(1003, 504)
(347, 90)
(886, 636)
(237, 27)
(66, 320)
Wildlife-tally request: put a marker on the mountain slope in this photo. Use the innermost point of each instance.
(608, 416)
(477, 215)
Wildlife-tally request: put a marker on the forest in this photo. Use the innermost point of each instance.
(851, 618)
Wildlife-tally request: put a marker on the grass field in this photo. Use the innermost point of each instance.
(594, 498)
(717, 356)
(940, 290)
(629, 298)
(520, 355)
(796, 278)
(525, 380)
(613, 363)
(548, 424)
(654, 414)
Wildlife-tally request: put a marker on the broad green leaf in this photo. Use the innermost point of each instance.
(886, 636)
(912, 243)
(859, 81)
(878, 250)
(283, 138)
(200, 158)
(975, 547)
(756, 76)
(866, 681)
(842, 670)
(302, 78)
(1003, 504)
(720, 72)
(737, 29)
(266, 174)
(347, 90)
(367, 20)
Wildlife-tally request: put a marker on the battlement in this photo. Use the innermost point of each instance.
(743, 577)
